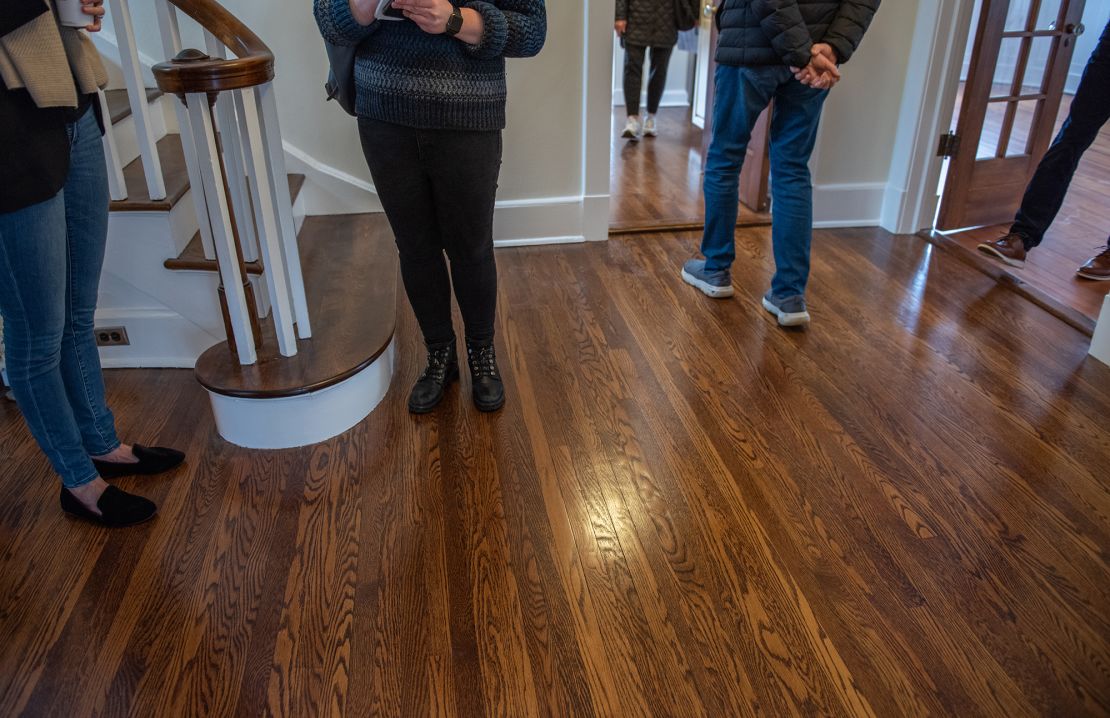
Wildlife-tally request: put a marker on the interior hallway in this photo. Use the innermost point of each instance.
(656, 183)
(683, 510)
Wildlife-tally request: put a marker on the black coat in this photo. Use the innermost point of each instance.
(651, 23)
(34, 163)
(781, 32)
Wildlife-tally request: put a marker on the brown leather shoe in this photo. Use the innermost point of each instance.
(1097, 268)
(1010, 249)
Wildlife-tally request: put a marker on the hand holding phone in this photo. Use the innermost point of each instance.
(386, 11)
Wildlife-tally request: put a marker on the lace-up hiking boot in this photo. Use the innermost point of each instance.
(488, 389)
(442, 369)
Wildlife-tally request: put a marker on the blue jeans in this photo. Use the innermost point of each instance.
(51, 255)
(1090, 110)
(742, 93)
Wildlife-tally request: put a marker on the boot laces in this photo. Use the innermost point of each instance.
(438, 361)
(483, 361)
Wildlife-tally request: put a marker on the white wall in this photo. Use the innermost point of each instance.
(856, 140)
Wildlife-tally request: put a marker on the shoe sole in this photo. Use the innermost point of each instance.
(629, 135)
(653, 133)
(1092, 277)
(96, 522)
(706, 288)
(420, 411)
(490, 408)
(988, 249)
(787, 319)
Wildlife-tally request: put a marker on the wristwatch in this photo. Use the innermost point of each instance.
(455, 23)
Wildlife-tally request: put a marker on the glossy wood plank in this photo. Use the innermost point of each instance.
(173, 170)
(683, 510)
(119, 107)
(656, 183)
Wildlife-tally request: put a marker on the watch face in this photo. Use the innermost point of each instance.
(455, 23)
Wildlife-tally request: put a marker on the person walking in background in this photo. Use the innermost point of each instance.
(644, 25)
(1045, 194)
(53, 232)
(431, 93)
(787, 51)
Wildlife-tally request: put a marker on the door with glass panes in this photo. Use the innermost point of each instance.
(1019, 64)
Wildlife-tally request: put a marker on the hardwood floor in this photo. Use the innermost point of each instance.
(1081, 228)
(682, 511)
(656, 183)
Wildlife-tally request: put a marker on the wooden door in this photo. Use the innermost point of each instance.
(755, 176)
(1019, 63)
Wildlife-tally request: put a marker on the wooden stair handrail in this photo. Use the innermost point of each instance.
(252, 66)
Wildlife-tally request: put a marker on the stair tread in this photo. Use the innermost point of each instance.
(174, 171)
(192, 257)
(350, 271)
(119, 106)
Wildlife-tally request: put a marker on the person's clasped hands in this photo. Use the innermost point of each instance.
(821, 72)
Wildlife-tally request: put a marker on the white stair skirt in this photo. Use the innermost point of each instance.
(291, 422)
(1100, 343)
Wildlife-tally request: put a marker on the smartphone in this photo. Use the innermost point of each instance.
(386, 11)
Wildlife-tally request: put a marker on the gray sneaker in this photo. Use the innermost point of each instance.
(791, 311)
(713, 284)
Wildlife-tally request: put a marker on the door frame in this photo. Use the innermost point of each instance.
(942, 31)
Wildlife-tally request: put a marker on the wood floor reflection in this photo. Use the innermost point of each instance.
(657, 182)
(682, 511)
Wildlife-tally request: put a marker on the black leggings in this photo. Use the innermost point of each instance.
(634, 76)
(438, 189)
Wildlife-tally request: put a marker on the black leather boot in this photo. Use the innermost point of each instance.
(442, 369)
(488, 390)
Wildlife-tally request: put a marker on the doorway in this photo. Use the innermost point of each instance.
(1021, 67)
(656, 182)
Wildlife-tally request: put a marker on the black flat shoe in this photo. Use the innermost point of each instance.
(117, 508)
(486, 386)
(442, 369)
(151, 460)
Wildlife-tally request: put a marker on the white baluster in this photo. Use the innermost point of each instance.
(279, 186)
(200, 122)
(269, 233)
(117, 187)
(231, 141)
(136, 93)
(171, 45)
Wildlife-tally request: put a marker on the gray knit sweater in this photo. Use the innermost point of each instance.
(409, 77)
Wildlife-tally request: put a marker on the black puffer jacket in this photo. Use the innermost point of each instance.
(781, 32)
(650, 22)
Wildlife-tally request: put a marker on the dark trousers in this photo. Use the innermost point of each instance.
(1089, 112)
(438, 189)
(634, 76)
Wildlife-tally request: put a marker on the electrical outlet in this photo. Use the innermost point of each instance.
(112, 337)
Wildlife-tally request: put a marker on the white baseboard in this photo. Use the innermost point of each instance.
(160, 339)
(848, 205)
(671, 98)
(1100, 342)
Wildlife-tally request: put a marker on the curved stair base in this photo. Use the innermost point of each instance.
(295, 421)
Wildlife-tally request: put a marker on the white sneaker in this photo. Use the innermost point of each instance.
(632, 129)
(650, 130)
